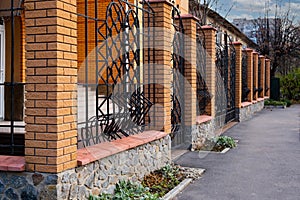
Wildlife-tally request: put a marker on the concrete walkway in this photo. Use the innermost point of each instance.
(264, 166)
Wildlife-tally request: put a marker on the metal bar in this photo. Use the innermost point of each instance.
(12, 73)
(86, 67)
(97, 69)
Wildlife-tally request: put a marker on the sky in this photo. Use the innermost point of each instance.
(256, 8)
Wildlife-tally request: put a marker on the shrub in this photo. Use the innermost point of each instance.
(290, 85)
(287, 101)
(271, 102)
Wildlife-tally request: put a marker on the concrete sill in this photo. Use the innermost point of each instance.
(105, 149)
(12, 163)
(203, 118)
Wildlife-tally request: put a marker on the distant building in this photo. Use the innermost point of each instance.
(208, 16)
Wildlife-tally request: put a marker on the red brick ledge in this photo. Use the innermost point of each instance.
(105, 149)
(189, 16)
(160, 1)
(203, 118)
(245, 104)
(260, 99)
(12, 163)
(248, 49)
(237, 43)
(207, 27)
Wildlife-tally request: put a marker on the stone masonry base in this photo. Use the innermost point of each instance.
(93, 178)
(203, 130)
(248, 111)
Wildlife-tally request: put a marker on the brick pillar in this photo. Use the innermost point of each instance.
(249, 53)
(255, 74)
(190, 69)
(238, 74)
(262, 76)
(51, 79)
(161, 69)
(210, 44)
(268, 65)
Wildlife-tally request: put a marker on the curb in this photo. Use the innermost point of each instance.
(222, 152)
(181, 186)
(171, 194)
(275, 107)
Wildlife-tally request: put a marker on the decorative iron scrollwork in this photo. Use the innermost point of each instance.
(225, 63)
(177, 85)
(245, 89)
(122, 105)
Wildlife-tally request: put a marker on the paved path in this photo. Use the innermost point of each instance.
(264, 166)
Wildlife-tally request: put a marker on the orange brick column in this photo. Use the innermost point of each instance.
(238, 74)
(249, 53)
(51, 79)
(255, 74)
(210, 44)
(190, 69)
(262, 76)
(161, 69)
(268, 80)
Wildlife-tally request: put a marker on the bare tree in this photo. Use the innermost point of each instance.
(279, 38)
(201, 8)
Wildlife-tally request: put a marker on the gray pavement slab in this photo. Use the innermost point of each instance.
(264, 166)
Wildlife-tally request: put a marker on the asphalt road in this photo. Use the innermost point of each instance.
(264, 166)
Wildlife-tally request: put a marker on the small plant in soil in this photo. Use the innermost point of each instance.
(218, 143)
(126, 190)
(154, 185)
(163, 180)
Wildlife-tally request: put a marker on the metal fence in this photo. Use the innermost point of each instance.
(203, 96)
(177, 84)
(12, 128)
(225, 83)
(255, 89)
(245, 89)
(112, 100)
(260, 86)
(266, 82)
